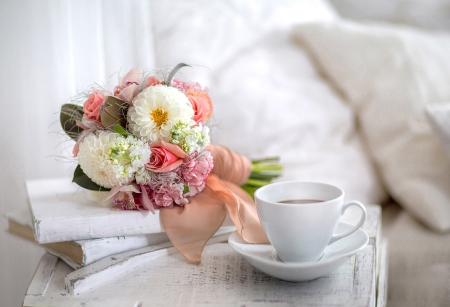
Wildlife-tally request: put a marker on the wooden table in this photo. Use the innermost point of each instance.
(223, 278)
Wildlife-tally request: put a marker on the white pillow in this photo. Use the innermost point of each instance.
(389, 74)
(439, 116)
(269, 99)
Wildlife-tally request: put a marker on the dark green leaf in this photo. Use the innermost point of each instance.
(68, 117)
(114, 112)
(174, 71)
(80, 178)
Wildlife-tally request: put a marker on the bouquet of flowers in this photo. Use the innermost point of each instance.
(147, 142)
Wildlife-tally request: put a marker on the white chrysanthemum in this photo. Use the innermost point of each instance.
(111, 160)
(156, 110)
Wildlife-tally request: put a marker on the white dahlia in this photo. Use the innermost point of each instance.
(156, 110)
(111, 160)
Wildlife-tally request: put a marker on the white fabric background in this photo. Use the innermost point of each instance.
(55, 49)
(50, 50)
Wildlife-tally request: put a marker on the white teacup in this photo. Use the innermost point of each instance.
(301, 228)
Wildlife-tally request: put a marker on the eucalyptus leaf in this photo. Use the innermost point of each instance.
(114, 112)
(68, 117)
(80, 178)
(174, 71)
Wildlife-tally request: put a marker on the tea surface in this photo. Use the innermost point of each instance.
(300, 201)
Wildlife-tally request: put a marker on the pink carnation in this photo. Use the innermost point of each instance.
(166, 195)
(185, 86)
(195, 190)
(195, 172)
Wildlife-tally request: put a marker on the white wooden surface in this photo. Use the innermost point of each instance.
(382, 283)
(112, 267)
(223, 278)
(95, 274)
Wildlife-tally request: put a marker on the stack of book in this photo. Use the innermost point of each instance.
(90, 238)
(101, 257)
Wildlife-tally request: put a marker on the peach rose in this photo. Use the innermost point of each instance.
(152, 81)
(165, 157)
(202, 105)
(93, 105)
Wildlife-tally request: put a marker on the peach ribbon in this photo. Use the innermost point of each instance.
(191, 226)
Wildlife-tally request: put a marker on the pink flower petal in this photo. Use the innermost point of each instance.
(133, 76)
(169, 167)
(175, 149)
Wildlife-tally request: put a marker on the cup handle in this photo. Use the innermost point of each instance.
(336, 237)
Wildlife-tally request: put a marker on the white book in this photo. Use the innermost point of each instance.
(80, 253)
(63, 211)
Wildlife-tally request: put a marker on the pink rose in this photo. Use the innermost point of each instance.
(93, 105)
(202, 105)
(128, 87)
(165, 157)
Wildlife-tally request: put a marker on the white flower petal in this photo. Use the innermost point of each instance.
(172, 104)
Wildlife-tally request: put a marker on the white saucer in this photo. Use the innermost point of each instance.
(264, 258)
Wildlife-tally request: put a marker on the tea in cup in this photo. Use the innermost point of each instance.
(300, 218)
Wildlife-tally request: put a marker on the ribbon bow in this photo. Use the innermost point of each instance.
(191, 226)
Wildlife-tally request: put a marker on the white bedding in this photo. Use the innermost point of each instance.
(269, 97)
(391, 75)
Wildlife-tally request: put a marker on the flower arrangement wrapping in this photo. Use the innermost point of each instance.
(147, 142)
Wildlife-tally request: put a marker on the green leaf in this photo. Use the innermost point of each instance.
(257, 182)
(68, 117)
(114, 112)
(267, 167)
(119, 129)
(266, 160)
(174, 71)
(186, 189)
(265, 176)
(80, 178)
